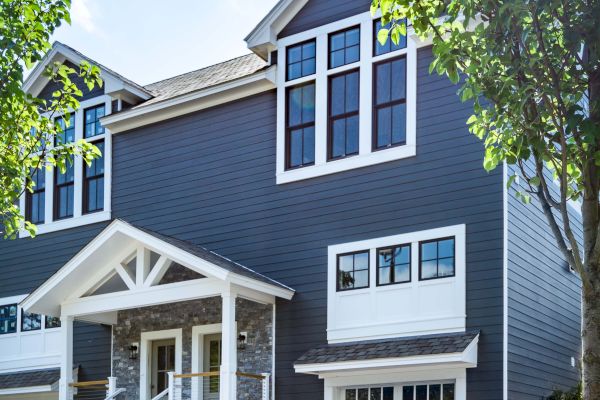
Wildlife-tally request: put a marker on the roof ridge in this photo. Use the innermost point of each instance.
(147, 87)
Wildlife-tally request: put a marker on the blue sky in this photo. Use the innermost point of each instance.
(149, 40)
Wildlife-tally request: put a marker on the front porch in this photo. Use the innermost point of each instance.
(186, 322)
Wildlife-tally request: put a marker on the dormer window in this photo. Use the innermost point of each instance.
(363, 111)
(92, 117)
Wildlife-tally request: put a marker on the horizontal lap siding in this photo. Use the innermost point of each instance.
(209, 178)
(543, 307)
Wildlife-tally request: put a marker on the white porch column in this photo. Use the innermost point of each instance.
(461, 386)
(228, 387)
(65, 392)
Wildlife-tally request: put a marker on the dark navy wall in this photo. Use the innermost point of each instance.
(209, 177)
(317, 12)
(544, 314)
(51, 87)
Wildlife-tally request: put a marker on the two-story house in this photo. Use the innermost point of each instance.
(308, 221)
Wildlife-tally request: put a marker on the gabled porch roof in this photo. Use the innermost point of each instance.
(139, 259)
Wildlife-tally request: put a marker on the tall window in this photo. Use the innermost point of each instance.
(65, 130)
(393, 265)
(343, 114)
(93, 183)
(64, 195)
(30, 321)
(344, 47)
(36, 200)
(353, 270)
(389, 103)
(300, 132)
(389, 46)
(8, 318)
(301, 60)
(436, 258)
(92, 126)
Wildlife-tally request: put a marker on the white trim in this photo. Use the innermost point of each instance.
(367, 156)
(504, 281)
(375, 327)
(226, 92)
(26, 390)
(146, 357)
(198, 333)
(69, 223)
(12, 299)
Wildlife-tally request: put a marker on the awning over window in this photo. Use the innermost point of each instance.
(45, 380)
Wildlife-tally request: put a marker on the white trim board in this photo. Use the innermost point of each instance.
(27, 390)
(146, 357)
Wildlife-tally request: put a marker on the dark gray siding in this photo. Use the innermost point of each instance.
(317, 12)
(209, 177)
(543, 306)
(27, 263)
(51, 87)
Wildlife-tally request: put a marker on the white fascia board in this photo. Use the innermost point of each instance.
(195, 101)
(26, 390)
(466, 359)
(263, 37)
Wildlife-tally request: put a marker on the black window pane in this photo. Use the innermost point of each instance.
(8, 319)
(294, 71)
(337, 41)
(308, 150)
(408, 392)
(301, 60)
(339, 137)
(308, 103)
(353, 37)
(389, 45)
(352, 54)
(353, 270)
(295, 106)
(398, 126)
(375, 394)
(448, 390)
(30, 322)
(308, 67)
(388, 393)
(352, 135)
(344, 47)
(92, 126)
(350, 394)
(294, 54)
(363, 394)
(437, 259)
(337, 95)
(384, 85)
(421, 392)
(52, 322)
(384, 126)
(296, 148)
(352, 89)
(398, 78)
(435, 392)
(337, 58)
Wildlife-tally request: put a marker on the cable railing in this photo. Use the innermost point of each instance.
(105, 389)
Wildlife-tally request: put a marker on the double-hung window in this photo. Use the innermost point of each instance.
(343, 114)
(300, 137)
(389, 103)
(36, 200)
(64, 191)
(65, 132)
(93, 183)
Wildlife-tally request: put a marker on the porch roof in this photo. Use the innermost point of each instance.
(119, 244)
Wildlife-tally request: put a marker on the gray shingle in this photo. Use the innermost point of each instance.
(226, 71)
(31, 378)
(445, 343)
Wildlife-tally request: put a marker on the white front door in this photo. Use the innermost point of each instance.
(212, 363)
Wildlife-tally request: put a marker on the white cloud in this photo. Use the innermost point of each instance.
(81, 15)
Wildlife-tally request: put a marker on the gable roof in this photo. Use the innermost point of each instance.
(113, 81)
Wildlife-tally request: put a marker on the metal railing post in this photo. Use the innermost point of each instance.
(112, 386)
(266, 386)
(171, 394)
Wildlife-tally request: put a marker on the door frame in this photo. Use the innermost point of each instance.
(198, 333)
(146, 357)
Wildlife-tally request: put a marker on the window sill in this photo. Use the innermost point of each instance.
(348, 163)
(69, 223)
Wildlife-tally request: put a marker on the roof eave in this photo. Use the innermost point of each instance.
(226, 92)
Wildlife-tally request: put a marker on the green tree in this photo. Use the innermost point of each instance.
(531, 69)
(27, 123)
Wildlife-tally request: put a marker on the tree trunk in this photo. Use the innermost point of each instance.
(590, 334)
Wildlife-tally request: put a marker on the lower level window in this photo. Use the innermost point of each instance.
(353, 270)
(8, 318)
(374, 393)
(428, 392)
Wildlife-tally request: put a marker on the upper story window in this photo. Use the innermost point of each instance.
(389, 106)
(30, 321)
(389, 45)
(300, 137)
(436, 259)
(92, 117)
(393, 265)
(343, 114)
(36, 201)
(301, 60)
(344, 47)
(364, 102)
(81, 194)
(8, 319)
(353, 270)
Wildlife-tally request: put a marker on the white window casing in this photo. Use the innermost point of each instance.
(366, 154)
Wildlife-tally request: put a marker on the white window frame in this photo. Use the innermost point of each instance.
(376, 330)
(78, 218)
(366, 154)
(146, 357)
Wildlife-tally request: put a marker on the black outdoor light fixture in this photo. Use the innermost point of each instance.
(133, 351)
(241, 340)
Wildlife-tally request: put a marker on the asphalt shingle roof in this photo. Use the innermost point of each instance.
(31, 378)
(213, 258)
(216, 74)
(445, 343)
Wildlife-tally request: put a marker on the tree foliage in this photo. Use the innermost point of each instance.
(28, 124)
(531, 69)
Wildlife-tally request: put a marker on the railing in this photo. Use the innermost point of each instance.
(103, 389)
(211, 381)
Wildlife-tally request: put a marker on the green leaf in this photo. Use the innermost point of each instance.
(382, 35)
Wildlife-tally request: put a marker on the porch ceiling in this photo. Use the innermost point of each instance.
(124, 251)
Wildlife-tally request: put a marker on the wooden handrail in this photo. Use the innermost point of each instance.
(89, 383)
(248, 375)
(197, 374)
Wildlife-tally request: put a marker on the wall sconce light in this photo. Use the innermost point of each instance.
(242, 340)
(133, 351)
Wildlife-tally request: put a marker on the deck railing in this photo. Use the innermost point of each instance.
(211, 380)
(105, 389)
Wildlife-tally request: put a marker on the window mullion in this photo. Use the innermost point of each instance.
(78, 165)
(365, 88)
(321, 101)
